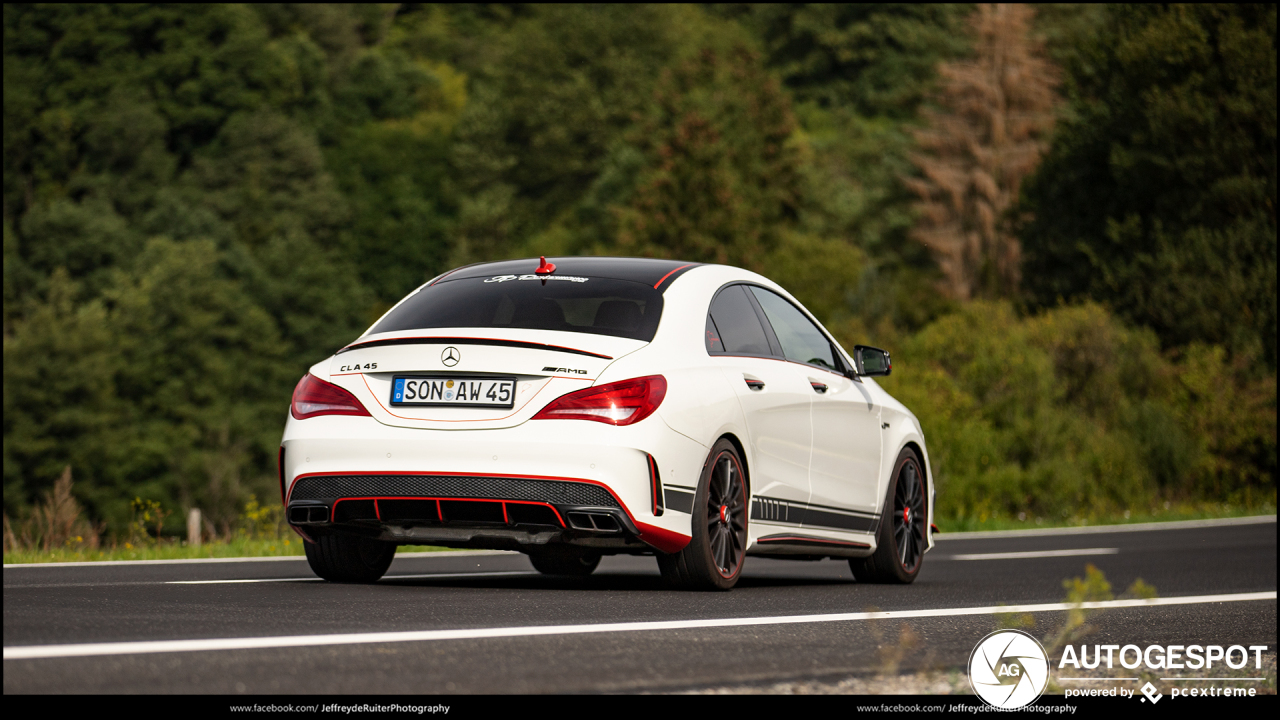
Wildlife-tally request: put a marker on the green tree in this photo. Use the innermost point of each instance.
(877, 59)
(1157, 196)
(545, 116)
(390, 162)
(60, 405)
(170, 385)
(721, 174)
(858, 75)
(215, 127)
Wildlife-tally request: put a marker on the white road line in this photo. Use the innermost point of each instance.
(1033, 554)
(241, 582)
(1097, 678)
(273, 558)
(30, 652)
(1094, 529)
(431, 576)
(316, 579)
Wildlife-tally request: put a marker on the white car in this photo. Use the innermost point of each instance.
(590, 406)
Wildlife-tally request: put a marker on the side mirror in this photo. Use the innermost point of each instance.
(871, 361)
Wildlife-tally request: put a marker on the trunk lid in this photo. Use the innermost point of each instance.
(544, 365)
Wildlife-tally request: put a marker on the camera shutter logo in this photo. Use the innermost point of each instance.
(1008, 669)
(450, 356)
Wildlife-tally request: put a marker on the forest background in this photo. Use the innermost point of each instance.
(1062, 223)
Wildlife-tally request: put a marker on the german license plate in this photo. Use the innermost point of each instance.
(493, 392)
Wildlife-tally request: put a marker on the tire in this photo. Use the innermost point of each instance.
(564, 560)
(713, 558)
(900, 541)
(343, 559)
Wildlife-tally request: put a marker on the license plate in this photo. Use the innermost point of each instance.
(490, 392)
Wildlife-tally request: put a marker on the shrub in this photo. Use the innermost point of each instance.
(1072, 413)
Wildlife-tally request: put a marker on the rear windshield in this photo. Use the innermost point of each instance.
(601, 306)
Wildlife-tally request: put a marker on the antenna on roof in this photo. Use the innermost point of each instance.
(544, 267)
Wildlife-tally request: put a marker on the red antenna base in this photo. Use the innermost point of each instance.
(544, 267)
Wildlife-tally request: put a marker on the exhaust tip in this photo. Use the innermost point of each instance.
(308, 514)
(606, 523)
(594, 522)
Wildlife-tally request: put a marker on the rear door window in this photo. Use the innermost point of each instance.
(733, 326)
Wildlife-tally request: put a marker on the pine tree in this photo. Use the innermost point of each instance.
(994, 114)
(722, 177)
(1158, 196)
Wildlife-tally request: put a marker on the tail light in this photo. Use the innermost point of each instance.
(314, 396)
(620, 403)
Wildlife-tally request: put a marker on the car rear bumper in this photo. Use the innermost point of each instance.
(568, 481)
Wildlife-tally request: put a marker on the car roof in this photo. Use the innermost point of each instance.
(650, 271)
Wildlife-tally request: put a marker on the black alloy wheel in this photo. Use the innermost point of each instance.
(713, 558)
(726, 514)
(909, 516)
(900, 541)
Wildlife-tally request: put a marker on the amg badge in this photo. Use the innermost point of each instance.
(563, 370)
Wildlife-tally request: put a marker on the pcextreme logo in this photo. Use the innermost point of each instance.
(1008, 669)
(1170, 661)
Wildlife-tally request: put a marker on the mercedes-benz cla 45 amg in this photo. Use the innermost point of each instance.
(577, 407)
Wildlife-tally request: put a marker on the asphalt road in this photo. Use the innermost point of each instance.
(487, 623)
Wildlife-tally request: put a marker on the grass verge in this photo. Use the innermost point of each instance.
(1200, 511)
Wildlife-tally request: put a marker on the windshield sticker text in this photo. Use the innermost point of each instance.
(505, 278)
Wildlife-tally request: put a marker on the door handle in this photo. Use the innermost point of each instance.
(753, 383)
(818, 387)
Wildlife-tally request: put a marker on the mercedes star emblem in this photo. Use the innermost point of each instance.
(450, 356)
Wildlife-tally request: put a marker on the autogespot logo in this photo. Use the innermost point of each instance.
(1008, 669)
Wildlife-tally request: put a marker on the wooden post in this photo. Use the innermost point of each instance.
(194, 526)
